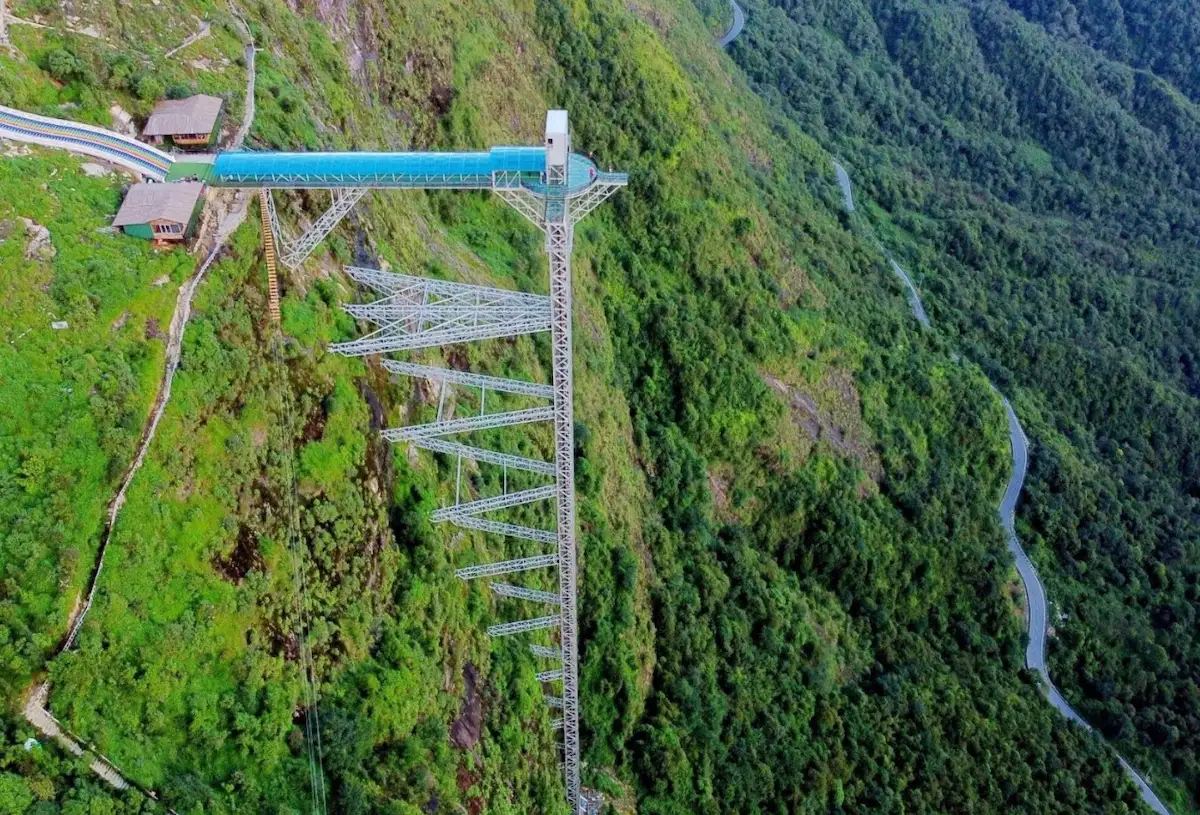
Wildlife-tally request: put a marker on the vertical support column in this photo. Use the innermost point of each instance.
(559, 234)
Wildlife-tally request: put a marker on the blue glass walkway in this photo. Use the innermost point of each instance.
(500, 166)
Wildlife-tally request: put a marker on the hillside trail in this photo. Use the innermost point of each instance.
(1035, 591)
(228, 209)
(204, 30)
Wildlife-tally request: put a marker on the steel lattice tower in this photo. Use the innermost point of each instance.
(419, 313)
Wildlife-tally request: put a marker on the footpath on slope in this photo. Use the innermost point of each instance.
(1035, 591)
(230, 208)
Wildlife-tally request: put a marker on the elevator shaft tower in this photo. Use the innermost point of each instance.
(553, 188)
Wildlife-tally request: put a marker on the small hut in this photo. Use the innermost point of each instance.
(190, 122)
(163, 213)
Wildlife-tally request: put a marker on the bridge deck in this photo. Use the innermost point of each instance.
(517, 166)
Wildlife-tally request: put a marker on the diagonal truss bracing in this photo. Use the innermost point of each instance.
(294, 252)
(523, 626)
(512, 499)
(523, 564)
(501, 528)
(595, 195)
(522, 593)
(512, 462)
(492, 383)
(545, 652)
(420, 312)
(468, 424)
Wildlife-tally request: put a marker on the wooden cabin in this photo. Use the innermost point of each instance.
(190, 122)
(163, 213)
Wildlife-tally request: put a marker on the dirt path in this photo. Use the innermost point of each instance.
(205, 30)
(239, 138)
(227, 222)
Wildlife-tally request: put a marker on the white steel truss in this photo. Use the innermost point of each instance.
(512, 462)
(420, 313)
(492, 383)
(501, 528)
(522, 593)
(469, 424)
(523, 564)
(524, 202)
(424, 289)
(522, 626)
(512, 499)
(293, 252)
(595, 195)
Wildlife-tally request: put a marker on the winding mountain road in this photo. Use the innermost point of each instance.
(914, 297)
(739, 22)
(1035, 591)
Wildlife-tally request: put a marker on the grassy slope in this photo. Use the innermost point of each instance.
(74, 400)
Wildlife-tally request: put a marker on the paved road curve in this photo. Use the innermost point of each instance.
(739, 22)
(843, 179)
(1035, 651)
(914, 298)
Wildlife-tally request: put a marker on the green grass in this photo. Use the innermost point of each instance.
(74, 400)
(185, 169)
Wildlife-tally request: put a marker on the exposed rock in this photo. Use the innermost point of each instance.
(720, 490)
(120, 321)
(122, 122)
(37, 241)
(6, 228)
(153, 330)
(161, 281)
(94, 170)
(838, 424)
(60, 325)
(465, 731)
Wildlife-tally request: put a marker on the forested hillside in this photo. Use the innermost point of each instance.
(795, 594)
(1037, 165)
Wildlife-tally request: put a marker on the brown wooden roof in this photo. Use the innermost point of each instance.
(173, 201)
(180, 117)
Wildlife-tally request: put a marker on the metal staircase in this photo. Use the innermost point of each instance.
(264, 208)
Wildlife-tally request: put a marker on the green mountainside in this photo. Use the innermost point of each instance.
(795, 594)
(1045, 195)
